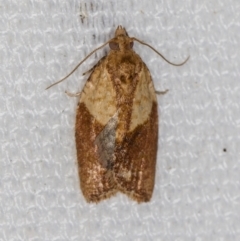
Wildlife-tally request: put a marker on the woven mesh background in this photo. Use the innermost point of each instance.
(197, 189)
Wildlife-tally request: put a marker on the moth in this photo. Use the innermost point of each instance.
(116, 128)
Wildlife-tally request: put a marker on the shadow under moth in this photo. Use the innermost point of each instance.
(117, 124)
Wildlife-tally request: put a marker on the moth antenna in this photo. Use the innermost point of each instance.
(141, 42)
(61, 80)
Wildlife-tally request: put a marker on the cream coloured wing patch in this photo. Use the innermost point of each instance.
(99, 95)
(143, 99)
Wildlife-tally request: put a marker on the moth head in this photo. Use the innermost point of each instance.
(120, 31)
(121, 41)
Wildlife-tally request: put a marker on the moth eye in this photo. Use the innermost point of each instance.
(114, 46)
(131, 44)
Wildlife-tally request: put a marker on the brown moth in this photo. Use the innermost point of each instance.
(117, 124)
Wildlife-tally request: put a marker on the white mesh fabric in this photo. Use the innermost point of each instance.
(196, 194)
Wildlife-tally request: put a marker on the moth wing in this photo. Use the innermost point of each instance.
(135, 165)
(106, 166)
(93, 116)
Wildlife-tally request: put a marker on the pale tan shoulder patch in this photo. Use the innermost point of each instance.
(143, 99)
(99, 95)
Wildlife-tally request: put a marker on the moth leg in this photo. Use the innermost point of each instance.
(161, 92)
(73, 94)
(89, 71)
